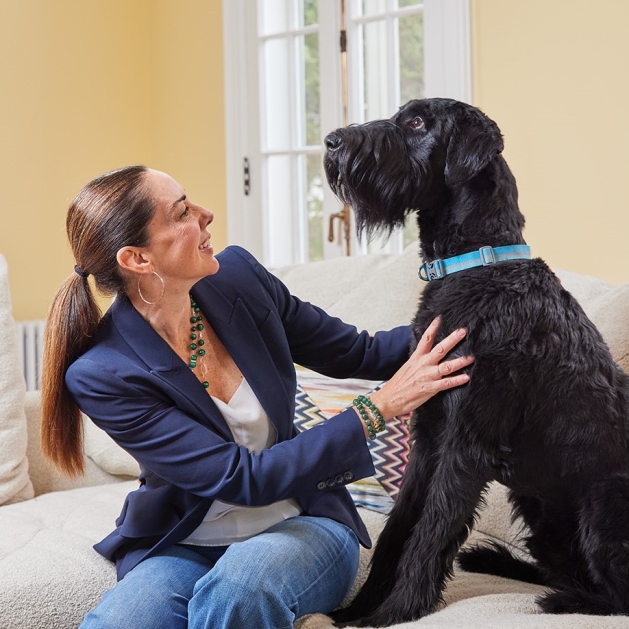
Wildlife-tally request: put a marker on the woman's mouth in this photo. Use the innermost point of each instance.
(206, 244)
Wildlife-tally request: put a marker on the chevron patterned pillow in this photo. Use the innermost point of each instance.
(320, 397)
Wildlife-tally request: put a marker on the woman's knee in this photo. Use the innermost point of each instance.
(154, 594)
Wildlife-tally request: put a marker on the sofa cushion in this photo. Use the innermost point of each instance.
(51, 575)
(106, 453)
(607, 305)
(47, 478)
(15, 483)
(374, 292)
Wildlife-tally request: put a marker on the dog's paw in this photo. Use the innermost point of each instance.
(578, 601)
(349, 623)
(554, 603)
(351, 618)
(347, 617)
(382, 617)
(358, 622)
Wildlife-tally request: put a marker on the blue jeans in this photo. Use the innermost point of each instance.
(297, 567)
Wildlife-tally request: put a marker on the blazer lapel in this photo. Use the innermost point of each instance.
(163, 362)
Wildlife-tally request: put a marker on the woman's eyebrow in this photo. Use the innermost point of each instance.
(183, 198)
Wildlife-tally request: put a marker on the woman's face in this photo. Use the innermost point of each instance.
(179, 241)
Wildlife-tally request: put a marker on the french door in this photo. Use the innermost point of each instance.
(297, 69)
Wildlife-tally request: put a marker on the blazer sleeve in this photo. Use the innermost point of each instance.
(326, 344)
(184, 451)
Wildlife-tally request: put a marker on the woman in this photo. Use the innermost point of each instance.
(238, 521)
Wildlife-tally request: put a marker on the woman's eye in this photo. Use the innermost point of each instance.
(185, 212)
(416, 123)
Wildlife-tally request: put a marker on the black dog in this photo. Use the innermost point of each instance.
(546, 411)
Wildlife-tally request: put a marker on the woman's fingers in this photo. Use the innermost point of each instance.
(451, 381)
(428, 337)
(424, 374)
(453, 339)
(424, 346)
(450, 366)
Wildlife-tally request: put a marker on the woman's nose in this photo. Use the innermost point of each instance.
(206, 216)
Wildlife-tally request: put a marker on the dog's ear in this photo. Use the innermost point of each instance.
(475, 141)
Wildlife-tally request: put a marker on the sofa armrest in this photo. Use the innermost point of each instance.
(44, 476)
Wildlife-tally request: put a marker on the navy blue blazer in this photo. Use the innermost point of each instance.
(133, 386)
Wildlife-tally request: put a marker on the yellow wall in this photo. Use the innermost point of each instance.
(90, 86)
(553, 75)
(87, 86)
(188, 102)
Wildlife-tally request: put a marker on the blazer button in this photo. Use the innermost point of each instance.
(321, 485)
(330, 482)
(339, 479)
(348, 475)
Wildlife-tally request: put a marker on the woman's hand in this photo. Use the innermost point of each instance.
(423, 375)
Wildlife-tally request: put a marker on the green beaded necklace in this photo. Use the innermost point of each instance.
(196, 337)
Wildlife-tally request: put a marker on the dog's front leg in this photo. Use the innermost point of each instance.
(446, 520)
(405, 514)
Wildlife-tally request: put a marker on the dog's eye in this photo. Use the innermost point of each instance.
(416, 123)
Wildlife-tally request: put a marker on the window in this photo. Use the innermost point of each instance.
(286, 88)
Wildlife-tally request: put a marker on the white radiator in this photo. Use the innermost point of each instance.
(30, 341)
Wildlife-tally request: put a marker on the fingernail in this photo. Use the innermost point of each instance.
(461, 331)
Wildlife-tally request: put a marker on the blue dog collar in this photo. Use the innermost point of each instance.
(438, 269)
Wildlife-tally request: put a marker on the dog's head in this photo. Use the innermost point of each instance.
(387, 168)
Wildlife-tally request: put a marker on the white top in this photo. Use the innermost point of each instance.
(227, 523)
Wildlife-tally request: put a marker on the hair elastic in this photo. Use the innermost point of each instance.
(79, 271)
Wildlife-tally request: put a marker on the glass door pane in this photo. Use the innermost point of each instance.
(314, 200)
(308, 53)
(277, 95)
(291, 133)
(307, 13)
(376, 66)
(372, 7)
(410, 30)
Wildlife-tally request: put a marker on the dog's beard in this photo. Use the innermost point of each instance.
(380, 189)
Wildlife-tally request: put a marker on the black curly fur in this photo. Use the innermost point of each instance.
(546, 410)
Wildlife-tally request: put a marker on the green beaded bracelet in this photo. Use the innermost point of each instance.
(362, 411)
(365, 416)
(375, 411)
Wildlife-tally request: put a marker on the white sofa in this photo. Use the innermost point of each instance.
(49, 573)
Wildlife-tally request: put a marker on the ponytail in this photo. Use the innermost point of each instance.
(72, 322)
(110, 212)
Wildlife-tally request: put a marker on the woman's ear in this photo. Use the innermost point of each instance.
(132, 259)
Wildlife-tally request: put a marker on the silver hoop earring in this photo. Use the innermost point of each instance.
(146, 301)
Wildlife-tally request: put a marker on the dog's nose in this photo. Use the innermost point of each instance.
(332, 141)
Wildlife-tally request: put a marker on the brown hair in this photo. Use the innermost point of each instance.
(110, 212)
